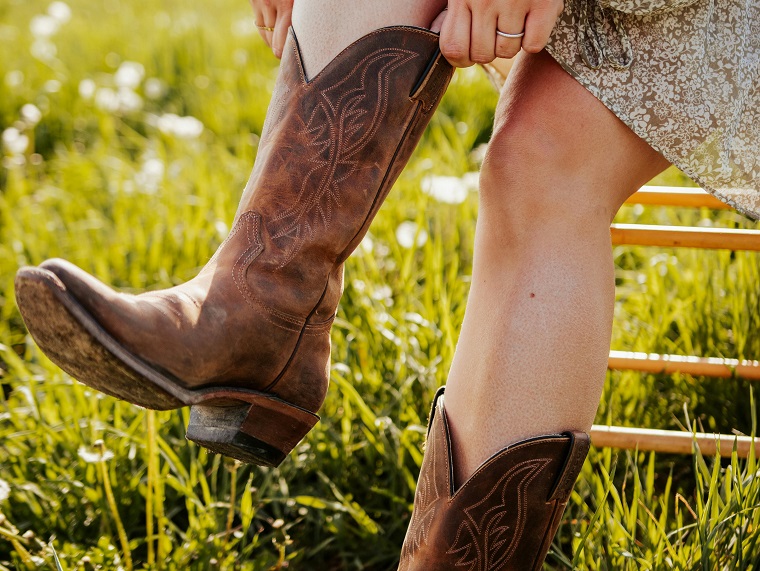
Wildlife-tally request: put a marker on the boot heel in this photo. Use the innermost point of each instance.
(262, 431)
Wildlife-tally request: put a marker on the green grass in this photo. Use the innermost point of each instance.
(105, 485)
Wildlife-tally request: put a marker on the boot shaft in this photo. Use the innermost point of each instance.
(504, 517)
(331, 149)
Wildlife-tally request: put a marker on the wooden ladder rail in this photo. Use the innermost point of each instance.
(672, 441)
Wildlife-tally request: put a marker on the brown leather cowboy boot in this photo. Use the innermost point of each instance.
(247, 342)
(504, 517)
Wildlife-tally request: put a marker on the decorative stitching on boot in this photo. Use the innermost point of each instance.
(489, 542)
(252, 222)
(332, 126)
(425, 501)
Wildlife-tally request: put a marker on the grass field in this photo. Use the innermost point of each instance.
(129, 129)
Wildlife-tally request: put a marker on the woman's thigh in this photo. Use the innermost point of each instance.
(555, 146)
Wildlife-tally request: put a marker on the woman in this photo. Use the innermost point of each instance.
(619, 94)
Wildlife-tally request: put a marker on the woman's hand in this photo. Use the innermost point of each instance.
(274, 14)
(468, 28)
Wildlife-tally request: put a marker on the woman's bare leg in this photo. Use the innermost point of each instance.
(532, 354)
(325, 27)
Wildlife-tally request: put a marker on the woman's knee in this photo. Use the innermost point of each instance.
(532, 173)
(556, 150)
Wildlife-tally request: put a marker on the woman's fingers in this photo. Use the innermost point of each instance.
(510, 23)
(539, 25)
(266, 18)
(258, 18)
(455, 35)
(280, 35)
(483, 33)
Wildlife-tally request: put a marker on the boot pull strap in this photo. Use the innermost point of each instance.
(576, 455)
(434, 81)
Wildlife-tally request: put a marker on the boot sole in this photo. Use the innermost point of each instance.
(250, 426)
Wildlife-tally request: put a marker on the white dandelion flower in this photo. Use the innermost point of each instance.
(128, 101)
(94, 455)
(14, 78)
(43, 26)
(87, 88)
(180, 127)
(106, 99)
(447, 189)
(129, 75)
(43, 49)
(154, 88)
(406, 233)
(31, 114)
(14, 141)
(150, 176)
(59, 11)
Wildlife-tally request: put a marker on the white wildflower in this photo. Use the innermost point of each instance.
(106, 99)
(180, 127)
(43, 26)
(128, 101)
(59, 11)
(31, 114)
(367, 244)
(406, 233)
(150, 176)
(43, 49)
(244, 27)
(98, 454)
(448, 189)
(471, 180)
(382, 293)
(154, 88)
(129, 75)
(52, 86)
(14, 141)
(14, 78)
(87, 88)
(5, 490)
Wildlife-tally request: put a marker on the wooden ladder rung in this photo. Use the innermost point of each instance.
(696, 366)
(688, 237)
(671, 441)
(675, 196)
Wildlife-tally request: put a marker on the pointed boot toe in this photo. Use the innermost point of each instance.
(504, 517)
(246, 343)
(73, 340)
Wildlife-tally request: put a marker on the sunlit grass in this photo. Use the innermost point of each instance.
(116, 177)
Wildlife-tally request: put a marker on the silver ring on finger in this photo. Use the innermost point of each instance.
(509, 36)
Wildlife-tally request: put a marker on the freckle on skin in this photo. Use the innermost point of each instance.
(533, 295)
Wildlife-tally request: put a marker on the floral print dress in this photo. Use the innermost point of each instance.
(684, 75)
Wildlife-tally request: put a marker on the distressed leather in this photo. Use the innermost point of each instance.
(258, 315)
(504, 517)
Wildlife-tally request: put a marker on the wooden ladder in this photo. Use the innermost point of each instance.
(673, 441)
